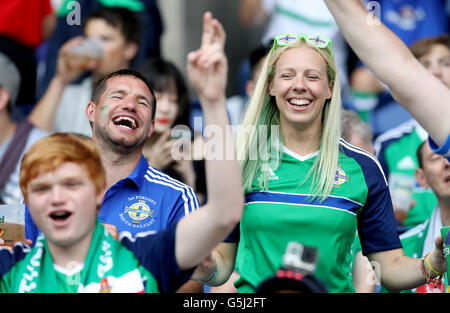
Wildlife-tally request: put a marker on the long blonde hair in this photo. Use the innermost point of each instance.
(262, 111)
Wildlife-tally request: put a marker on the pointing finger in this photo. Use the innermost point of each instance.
(208, 30)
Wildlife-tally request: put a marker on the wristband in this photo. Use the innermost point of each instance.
(427, 259)
(438, 278)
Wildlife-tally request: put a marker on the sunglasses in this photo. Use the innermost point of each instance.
(317, 41)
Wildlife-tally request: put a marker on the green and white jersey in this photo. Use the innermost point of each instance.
(396, 150)
(145, 263)
(359, 200)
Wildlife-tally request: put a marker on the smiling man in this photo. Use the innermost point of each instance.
(121, 112)
(161, 262)
(138, 198)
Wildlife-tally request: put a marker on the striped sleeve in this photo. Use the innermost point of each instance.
(188, 197)
(386, 139)
(444, 150)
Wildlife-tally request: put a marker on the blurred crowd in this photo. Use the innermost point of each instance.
(50, 63)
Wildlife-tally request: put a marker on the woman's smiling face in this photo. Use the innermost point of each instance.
(300, 87)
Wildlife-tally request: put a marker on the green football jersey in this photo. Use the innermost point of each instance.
(145, 263)
(359, 200)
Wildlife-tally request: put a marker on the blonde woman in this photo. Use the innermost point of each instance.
(305, 184)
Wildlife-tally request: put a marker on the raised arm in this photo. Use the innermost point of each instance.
(399, 272)
(200, 232)
(411, 85)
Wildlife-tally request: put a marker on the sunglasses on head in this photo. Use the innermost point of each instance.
(317, 41)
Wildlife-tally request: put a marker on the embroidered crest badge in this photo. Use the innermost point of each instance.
(340, 177)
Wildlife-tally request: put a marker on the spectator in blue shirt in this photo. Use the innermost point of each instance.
(138, 198)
